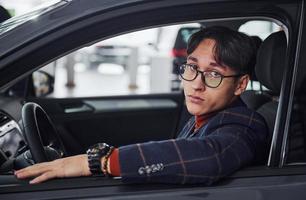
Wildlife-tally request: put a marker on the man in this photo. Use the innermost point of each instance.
(223, 136)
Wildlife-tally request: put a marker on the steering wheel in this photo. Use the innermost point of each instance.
(40, 134)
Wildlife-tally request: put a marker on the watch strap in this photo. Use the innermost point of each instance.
(94, 155)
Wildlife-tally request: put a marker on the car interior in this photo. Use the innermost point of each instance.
(162, 114)
(74, 124)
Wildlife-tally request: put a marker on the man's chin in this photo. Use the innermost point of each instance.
(195, 111)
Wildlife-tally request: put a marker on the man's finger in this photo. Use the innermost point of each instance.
(45, 176)
(38, 165)
(31, 171)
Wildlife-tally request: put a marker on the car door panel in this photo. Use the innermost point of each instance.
(118, 120)
(267, 184)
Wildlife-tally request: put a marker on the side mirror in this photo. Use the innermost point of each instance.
(43, 83)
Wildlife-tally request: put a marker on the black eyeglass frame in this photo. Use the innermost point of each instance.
(203, 76)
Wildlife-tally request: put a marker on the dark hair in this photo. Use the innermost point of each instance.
(233, 49)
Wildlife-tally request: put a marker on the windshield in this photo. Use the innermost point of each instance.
(31, 15)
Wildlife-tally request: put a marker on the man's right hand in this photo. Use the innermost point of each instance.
(73, 166)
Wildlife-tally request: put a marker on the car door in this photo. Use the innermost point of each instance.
(115, 120)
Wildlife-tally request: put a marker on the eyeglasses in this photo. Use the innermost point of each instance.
(212, 79)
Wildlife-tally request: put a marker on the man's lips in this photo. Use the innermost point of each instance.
(195, 99)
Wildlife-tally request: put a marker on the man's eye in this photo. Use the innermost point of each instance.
(193, 67)
(214, 74)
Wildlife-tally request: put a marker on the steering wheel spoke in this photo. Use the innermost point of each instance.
(43, 140)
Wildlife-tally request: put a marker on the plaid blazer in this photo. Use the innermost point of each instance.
(233, 138)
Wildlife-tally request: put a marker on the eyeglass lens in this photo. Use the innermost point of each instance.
(189, 73)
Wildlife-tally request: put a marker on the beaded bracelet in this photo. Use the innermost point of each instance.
(105, 162)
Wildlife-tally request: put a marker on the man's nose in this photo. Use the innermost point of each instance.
(197, 83)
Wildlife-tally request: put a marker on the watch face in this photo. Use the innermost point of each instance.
(101, 148)
(101, 145)
(94, 150)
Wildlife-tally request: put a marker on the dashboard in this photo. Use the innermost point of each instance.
(11, 139)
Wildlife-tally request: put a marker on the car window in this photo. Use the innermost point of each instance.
(127, 64)
(131, 63)
(259, 30)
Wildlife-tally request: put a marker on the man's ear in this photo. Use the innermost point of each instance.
(242, 83)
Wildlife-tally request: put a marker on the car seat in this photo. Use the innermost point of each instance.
(255, 97)
(269, 71)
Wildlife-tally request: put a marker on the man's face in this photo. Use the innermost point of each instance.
(201, 99)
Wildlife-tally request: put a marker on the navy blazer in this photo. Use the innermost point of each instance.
(233, 138)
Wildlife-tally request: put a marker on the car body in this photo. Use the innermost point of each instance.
(31, 41)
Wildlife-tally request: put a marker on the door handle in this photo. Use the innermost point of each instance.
(79, 109)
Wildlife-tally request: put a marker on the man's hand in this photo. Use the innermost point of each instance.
(66, 167)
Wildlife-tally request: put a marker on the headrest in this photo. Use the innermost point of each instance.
(270, 62)
(257, 42)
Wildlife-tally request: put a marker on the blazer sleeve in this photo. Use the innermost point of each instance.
(192, 160)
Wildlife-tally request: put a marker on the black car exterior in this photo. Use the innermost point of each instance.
(31, 41)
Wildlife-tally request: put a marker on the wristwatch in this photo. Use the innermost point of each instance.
(94, 155)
